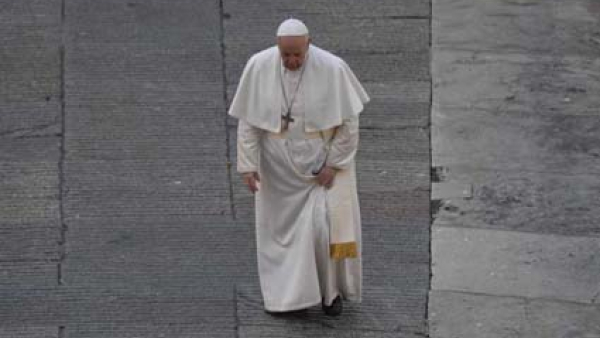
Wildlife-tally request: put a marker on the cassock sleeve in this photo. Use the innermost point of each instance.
(344, 144)
(248, 138)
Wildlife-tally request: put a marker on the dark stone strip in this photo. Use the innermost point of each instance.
(222, 16)
(431, 178)
(236, 319)
(61, 180)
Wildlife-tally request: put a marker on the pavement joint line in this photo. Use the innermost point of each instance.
(596, 297)
(61, 178)
(236, 319)
(226, 105)
(441, 224)
(432, 211)
(61, 332)
(517, 297)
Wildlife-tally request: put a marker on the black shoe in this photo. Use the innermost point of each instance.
(335, 309)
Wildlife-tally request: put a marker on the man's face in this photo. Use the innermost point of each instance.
(293, 50)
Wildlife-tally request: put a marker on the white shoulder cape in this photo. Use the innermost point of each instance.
(332, 91)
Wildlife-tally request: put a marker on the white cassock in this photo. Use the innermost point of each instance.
(293, 211)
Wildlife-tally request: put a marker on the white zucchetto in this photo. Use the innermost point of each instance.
(292, 27)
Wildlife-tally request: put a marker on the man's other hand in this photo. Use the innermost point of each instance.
(251, 180)
(326, 177)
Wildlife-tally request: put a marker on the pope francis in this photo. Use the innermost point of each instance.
(298, 108)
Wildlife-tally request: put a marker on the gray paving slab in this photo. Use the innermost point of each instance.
(29, 332)
(394, 206)
(29, 12)
(336, 8)
(24, 151)
(159, 23)
(514, 263)
(406, 144)
(160, 252)
(124, 121)
(148, 330)
(29, 179)
(555, 144)
(140, 187)
(29, 211)
(297, 332)
(19, 244)
(78, 307)
(517, 121)
(514, 120)
(396, 105)
(531, 26)
(30, 68)
(455, 314)
(142, 73)
(529, 201)
(141, 148)
(30, 274)
(504, 83)
(377, 175)
(406, 242)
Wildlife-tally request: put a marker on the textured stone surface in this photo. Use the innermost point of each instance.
(552, 27)
(240, 9)
(538, 202)
(511, 84)
(30, 119)
(149, 331)
(298, 332)
(30, 68)
(29, 211)
(515, 116)
(514, 263)
(195, 186)
(455, 314)
(75, 307)
(160, 251)
(29, 332)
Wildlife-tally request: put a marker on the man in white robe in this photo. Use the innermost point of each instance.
(298, 108)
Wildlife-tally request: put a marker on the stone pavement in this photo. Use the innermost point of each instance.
(515, 146)
(121, 214)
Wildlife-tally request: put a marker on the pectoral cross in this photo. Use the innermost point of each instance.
(287, 118)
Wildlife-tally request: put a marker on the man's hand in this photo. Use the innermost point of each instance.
(251, 180)
(326, 177)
